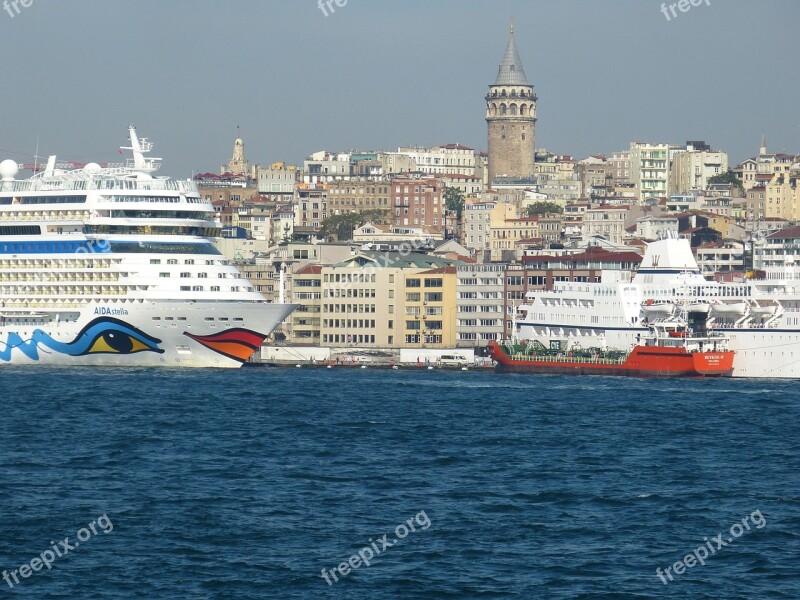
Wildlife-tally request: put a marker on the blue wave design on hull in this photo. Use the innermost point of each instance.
(105, 335)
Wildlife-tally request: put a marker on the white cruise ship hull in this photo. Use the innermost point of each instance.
(146, 334)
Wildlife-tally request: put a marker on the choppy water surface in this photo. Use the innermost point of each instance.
(250, 483)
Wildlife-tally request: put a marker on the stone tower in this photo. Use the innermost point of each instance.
(511, 118)
(238, 164)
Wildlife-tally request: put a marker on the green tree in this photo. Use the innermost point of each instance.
(343, 225)
(544, 208)
(728, 177)
(454, 201)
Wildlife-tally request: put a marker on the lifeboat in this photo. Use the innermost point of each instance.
(763, 311)
(658, 307)
(729, 308)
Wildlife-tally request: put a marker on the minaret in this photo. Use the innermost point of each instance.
(511, 118)
(763, 148)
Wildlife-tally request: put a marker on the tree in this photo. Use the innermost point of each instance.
(454, 201)
(343, 225)
(544, 208)
(728, 177)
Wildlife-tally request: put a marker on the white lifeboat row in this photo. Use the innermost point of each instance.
(717, 308)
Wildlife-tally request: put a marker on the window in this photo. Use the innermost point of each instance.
(163, 274)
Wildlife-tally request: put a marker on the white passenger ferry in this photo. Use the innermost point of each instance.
(114, 266)
(760, 318)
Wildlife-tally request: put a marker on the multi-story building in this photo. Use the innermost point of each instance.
(653, 228)
(311, 205)
(306, 291)
(760, 169)
(451, 159)
(607, 221)
(721, 257)
(480, 303)
(650, 169)
(480, 218)
(358, 195)
(430, 308)
(277, 182)
(364, 298)
(783, 194)
(469, 185)
(777, 251)
(693, 166)
(417, 201)
(596, 175)
(511, 119)
(620, 163)
(324, 166)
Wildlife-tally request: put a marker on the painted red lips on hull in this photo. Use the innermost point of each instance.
(238, 344)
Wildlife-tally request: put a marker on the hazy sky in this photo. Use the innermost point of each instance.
(379, 74)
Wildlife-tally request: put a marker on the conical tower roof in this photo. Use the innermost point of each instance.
(511, 71)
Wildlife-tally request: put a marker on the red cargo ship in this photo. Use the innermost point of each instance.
(671, 349)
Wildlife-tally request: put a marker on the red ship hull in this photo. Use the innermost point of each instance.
(643, 361)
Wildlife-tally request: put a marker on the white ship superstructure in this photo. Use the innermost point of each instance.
(115, 266)
(760, 317)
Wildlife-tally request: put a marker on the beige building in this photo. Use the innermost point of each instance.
(607, 221)
(480, 218)
(358, 195)
(364, 298)
(430, 308)
(782, 194)
(306, 291)
(692, 168)
(311, 205)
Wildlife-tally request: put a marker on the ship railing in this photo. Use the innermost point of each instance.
(560, 358)
(52, 185)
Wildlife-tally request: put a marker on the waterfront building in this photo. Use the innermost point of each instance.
(480, 303)
(430, 308)
(364, 298)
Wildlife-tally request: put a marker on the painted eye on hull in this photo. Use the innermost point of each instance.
(108, 335)
(117, 342)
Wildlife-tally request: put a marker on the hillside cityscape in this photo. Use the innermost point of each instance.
(456, 237)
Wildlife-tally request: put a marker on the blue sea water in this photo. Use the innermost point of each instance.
(248, 483)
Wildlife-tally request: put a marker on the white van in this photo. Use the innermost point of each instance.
(454, 360)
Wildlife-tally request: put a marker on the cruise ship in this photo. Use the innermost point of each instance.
(116, 266)
(760, 317)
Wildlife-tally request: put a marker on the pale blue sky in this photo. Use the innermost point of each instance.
(379, 74)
